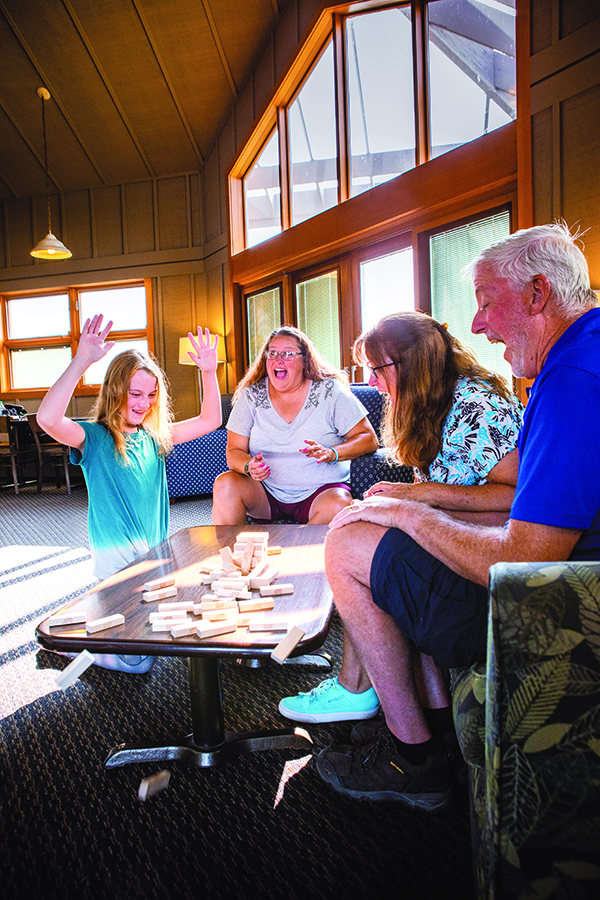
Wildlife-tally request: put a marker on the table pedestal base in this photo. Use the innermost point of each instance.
(209, 744)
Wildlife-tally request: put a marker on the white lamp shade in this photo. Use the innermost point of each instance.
(185, 345)
(50, 248)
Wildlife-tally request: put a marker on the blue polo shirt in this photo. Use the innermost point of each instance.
(559, 444)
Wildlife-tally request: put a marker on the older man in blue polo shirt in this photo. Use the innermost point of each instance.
(401, 571)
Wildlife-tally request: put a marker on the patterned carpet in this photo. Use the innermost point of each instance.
(263, 824)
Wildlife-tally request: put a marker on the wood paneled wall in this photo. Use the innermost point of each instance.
(565, 112)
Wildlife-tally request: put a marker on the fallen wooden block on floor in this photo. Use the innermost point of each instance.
(106, 622)
(153, 784)
(74, 669)
(289, 642)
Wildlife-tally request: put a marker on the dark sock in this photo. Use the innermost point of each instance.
(440, 721)
(416, 754)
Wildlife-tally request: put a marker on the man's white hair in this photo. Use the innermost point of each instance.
(548, 250)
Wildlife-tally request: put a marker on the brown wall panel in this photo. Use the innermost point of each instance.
(172, 213)
(20, 231)
(178, 313)
(139, 216)
(580, 172)
(542, 152)
(195, 189)
(108, 218)
(78, 219)
(212, 213)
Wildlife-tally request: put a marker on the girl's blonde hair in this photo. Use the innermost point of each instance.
(315, 366)
(109, 405)
(428, 363)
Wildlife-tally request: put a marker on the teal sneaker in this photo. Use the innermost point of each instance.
(330, 702)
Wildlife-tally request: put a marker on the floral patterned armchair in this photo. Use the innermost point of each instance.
(529, 728)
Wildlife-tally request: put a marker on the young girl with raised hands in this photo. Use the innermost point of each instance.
(122, 449)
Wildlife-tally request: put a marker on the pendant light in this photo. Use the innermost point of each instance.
(49, 247)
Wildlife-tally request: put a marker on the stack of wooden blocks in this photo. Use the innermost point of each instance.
(230, 603)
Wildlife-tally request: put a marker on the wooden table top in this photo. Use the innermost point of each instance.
(300, 562)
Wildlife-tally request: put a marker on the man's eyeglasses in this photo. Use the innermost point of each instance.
(374, 369)
(284, 354)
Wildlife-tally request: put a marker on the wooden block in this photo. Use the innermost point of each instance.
(243, 595)
(267, 577)
(106, 622)
(218, 604)
(231, 584)
(173, 607)
(159, 583)
(66, 619)
(276, 590)
(149, 596)
(257, 537)
(74, 669)
(167, 624)
(225, 554)
(252, 605)
(247, 557)
(285, 647)
(183, 628)
(211, 569)
(225, 593)
(260, 569)
(210, 629)
(218, 615)
(150, 786)
(267, 625)
(209, 597)
(167, 616)
(273, 551)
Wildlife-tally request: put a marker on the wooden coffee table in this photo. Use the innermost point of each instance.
(309, 607)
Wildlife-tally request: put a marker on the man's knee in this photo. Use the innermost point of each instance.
(349, 551)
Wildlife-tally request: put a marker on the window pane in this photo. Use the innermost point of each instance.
(386, 286)
(452, 297)
(126, 306)
(380, 90)
(33, 317)
(472, 69)
(317, 309)
(96, 372)
(262, 195)
(313, 149)
(264, 315)
(38, 368)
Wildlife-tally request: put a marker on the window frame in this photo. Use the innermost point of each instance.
(7, 391)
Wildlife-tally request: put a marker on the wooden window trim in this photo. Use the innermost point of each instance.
(6, 345)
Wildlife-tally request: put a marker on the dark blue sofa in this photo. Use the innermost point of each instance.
(193, 467)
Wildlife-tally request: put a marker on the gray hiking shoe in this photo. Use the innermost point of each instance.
(377, 771)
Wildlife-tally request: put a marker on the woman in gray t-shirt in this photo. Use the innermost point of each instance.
(292, 432)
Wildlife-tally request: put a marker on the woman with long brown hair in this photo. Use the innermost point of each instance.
(456, 423)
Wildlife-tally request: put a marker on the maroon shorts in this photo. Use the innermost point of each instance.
(297, 511)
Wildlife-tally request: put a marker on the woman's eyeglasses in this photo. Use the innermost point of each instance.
(284, 354)
(374, 369)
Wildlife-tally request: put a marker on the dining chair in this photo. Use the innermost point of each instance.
(13, 452)
(49, 453)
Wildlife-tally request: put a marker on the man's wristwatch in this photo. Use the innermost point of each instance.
(247, 468)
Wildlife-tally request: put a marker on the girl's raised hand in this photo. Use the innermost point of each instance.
(92, 343)
(205, 356)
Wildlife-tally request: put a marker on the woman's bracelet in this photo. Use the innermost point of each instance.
(331, 462)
